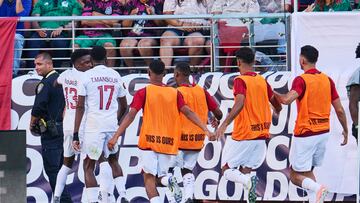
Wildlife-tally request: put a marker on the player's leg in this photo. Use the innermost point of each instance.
(93, 146)
(237, 154)
(166, 179)
(106, 181)
(69, 157)
(174, 162)
(305, 154)
(190, 159)
(117, 173)
(148, 163)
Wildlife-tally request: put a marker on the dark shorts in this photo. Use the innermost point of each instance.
(183, 33)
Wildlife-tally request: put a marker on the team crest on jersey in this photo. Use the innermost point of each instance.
(108, 10)
(39, 87)
(65, 4)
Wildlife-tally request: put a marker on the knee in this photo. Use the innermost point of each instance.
(167, 42)
(145, 43)
(196, 42)
(126, 43)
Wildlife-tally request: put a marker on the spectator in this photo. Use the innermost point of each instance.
(175, 33)
(235, 6)
(141, 7)
(275, 6)
(329, 5)
(52, 29)
(230, 36)
(100, 8)
(12, 8)
(353, 89)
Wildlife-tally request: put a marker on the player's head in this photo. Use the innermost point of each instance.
(156, 68)
(245, 57)
(43, 63)
(182, 72)
(357, 52)
(81, 59)
(98, 55)
(308, 56)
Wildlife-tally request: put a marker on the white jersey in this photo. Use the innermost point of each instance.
(70, 80)
(101, 87)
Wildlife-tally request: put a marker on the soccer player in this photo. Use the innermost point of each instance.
(160, 130)
(69, 80)
(315, 93)
(102, 90)
(252, 115)
(192, 137)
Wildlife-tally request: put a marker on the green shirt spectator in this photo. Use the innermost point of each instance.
(332, 5)
(63, 8)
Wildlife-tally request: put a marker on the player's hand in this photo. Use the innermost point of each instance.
(76, 146)
(210, 135)
(220, 131)
(214, 122)
(112, 142)
(345, 134)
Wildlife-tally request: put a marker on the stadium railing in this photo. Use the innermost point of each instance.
(227, 33)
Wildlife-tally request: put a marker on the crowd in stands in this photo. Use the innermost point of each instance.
(141, 37)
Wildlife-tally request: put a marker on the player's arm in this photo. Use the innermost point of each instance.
(79, 113)
(122, 108)
(353, 102)
(196, 120)
(276, 104)
(340, 113)
(238, 105)
(128, 119)
(287, 98)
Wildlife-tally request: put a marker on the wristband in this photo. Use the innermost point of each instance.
(76, 136)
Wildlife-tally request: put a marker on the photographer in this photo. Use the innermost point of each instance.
(46, 119)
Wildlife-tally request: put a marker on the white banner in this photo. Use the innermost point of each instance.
(336, 36)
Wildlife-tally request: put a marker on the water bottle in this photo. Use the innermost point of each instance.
(139, 24)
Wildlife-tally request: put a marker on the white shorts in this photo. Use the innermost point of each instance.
(185, 159)
(155, 163)
(307, 152)
(68, 147)
(245, 153)
(95, 143)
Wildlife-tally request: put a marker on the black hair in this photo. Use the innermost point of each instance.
(357, 52)
(44, 55)
(310, 53)
(78, 54)
(246, 55)
(98, 53)
(183, 68)
(157, 67)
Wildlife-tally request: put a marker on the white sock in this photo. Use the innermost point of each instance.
(309, 184)
(155, 200)
(120, 186)
(188, 181)
(165, 180)
(61, 180)
(92, 194)
(311, 196)
(236, 176)
(106, 178)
